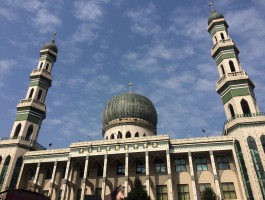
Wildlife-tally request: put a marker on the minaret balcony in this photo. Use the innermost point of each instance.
(42, 72)
(23, 141)
(231, 77)
(32, 102)
(244, 119)
(222, 43)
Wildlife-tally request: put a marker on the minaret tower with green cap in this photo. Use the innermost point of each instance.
(31, 111)
(245, 123)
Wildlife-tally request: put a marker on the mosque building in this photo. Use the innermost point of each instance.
(174, 169)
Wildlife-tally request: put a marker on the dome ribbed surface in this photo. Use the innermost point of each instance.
(214, 15)
(50, 45)
(129, 105)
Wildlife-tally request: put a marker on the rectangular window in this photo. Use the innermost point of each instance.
(203, 186)
(160, 166)
(60, 195)
(140, 168)
(100, 170)
(120, 169)
(161, 192)
(229, 191)
(78, 195)
(183, 192)
(223, 163)
(180, 165)
(45, 192)
(98, 191)
(201, 164)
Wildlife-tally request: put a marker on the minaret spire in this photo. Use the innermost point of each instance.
(211, 5)
(234, 86)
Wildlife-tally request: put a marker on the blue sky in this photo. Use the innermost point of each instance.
(162, 46)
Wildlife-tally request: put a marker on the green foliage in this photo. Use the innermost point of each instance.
(209, 194)
(138, 192)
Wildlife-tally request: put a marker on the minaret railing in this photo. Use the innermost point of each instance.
(249, 115)
(231, 74)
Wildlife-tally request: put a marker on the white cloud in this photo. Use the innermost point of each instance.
(7, 14)
(5, 68)
(143, 20)
(88, 10)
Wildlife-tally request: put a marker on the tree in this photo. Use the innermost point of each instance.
(209, 194)
(138, 192)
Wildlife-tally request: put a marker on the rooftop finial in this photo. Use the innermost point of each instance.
(211, 5)
(130, 85)
(53, 35)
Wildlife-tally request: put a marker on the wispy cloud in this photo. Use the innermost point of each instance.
(143, 20)
(5, 66)
(42, 18)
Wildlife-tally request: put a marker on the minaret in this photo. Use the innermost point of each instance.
(245, 123)
(234, 86)
(31, 111)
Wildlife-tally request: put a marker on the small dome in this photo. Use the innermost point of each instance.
(50, 45)
(214, 15)
(129, 106)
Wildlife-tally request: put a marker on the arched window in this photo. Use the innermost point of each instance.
(222, 68)
(41, 65)
(222, 36)
(140, 167)
(243, 170)
(18, 128)
(31, 174)
(16, 172)
(107, 137)
(136, 134)
(262, 139)
(0, 159)
(31, 93)
(119, 135)
(257, 163)
(245, 107)
(232, 112)
(232, 66)
(215, 39)
(223, 163)
(63, 171)
(39, 95)
(128, 135)
(144, 135)
(4, 171)
(48, 173)
(81, 171)
(201, 163)
(47, 67)
(112, 136)
(29, 132)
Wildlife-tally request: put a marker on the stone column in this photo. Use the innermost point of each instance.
(19, 177)
(65, 180)
(35, 181)
(84, 178)
(169, 186)
(103, 192)
(126, 174)
(215, 174)
(193, 182)
(52, 179)
(147, 182)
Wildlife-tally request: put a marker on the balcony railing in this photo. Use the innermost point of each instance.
(220, 43)
(41, 70)
(249, 115)
(232, 74)
(35, 143)
(34, 101)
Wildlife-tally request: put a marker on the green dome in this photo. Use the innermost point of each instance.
(50, 45)
(130, 105)
(214, 15)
